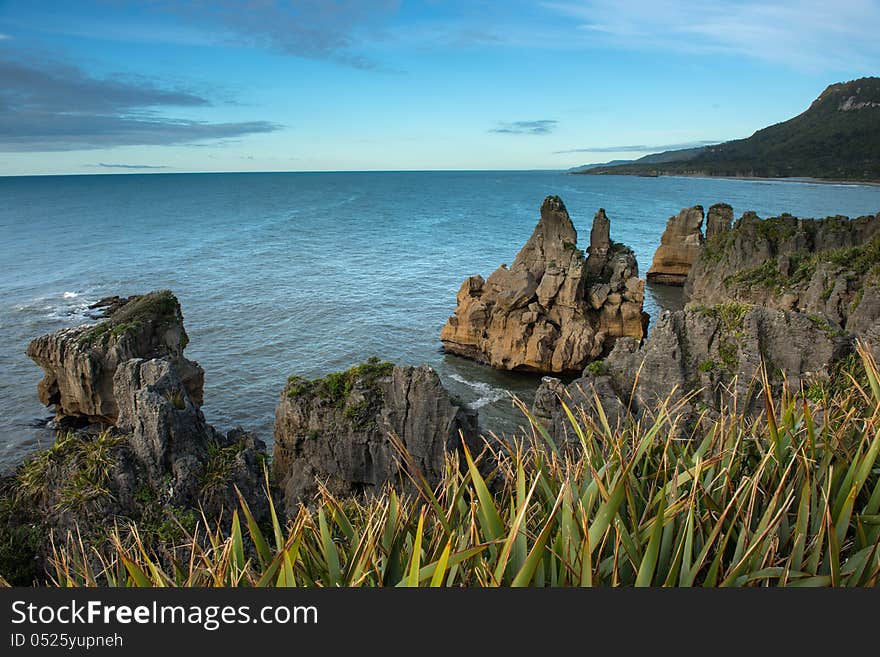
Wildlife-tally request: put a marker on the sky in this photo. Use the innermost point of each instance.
(139, 86)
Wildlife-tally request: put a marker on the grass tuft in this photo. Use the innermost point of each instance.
(784, 500)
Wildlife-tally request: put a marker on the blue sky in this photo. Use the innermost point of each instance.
(263, 85)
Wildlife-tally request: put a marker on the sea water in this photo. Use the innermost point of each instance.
(307, 273)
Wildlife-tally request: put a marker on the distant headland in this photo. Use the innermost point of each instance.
(837, 138)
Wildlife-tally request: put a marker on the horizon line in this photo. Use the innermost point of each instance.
(141, 172)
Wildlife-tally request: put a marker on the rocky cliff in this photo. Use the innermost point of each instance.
(680, 246)
(793, 293)
(553, 310)
(829, 268)
(702, 359)
(80, 363)
(337, 431)
(149, 456)
(682, 242)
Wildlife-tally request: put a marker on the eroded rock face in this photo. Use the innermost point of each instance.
(336, 430)
(718, 220)
(824, 267)
(80, 363)
(175, 447)
(161, 467)
(711, 355)
(554, 310)
(680, 246)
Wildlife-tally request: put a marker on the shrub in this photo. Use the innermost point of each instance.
(782, 500)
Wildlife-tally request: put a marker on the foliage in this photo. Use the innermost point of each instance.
(89, 460)
(822, 142)
(160, 309)
(597, 368)
(781, 501)
(854, 263)
(337, 386)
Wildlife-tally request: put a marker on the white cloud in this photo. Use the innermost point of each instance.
(805, 34)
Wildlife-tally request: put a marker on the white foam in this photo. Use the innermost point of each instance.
(488, 394)
(71, 295)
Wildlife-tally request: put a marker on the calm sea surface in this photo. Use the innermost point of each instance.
(312, 272)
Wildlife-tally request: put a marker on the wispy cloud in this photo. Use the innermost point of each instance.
(55, 106)
(638, 148)
(315, 29)
(806, 34)
(538, 127)
(104, 165)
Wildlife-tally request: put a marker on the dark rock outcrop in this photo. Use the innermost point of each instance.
(149, 457)
(822, 267)
(336, 431)
(702, 359)
(680, 246)
(80, 363)
(174, 446)
(554, 310)
(161, 467)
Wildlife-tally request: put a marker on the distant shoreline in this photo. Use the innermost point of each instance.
(792, 179)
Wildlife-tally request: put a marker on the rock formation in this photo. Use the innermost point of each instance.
(718, 220)
(175, 449)
(151, 458)
(553, 310)
(680, 246)
(335, 431)
(161, 468)
(793, 292)
(705, 358)
(79, 363)
(828, 268)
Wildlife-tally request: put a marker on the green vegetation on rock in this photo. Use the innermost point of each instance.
(730, 316)
(787, 499)
(597, 368)
(161, 309)
(337, 386)
(89, 460)
(853, 263)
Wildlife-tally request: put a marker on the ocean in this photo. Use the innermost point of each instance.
(307, 273)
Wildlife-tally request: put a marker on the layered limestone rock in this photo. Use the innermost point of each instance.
(175, 448)
(701, 360)
(718, 220)
(680, 246)
(161, 467)
(823, 267)
(80, 363)
(337, 432)
(553, 310)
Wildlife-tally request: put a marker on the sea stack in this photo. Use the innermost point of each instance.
(680, 246)
(79, 363)
(718, 220)
(154, 459)
(554, 310)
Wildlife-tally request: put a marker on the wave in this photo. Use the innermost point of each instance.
(58, 307)
(488, 394)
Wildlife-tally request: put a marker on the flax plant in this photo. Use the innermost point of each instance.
(790, 499)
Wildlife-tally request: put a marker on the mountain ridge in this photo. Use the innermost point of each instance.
(836, 138)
